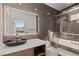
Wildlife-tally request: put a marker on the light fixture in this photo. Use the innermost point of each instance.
(36, 9)
(48, 13)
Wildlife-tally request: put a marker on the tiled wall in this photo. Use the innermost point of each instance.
(69, 42)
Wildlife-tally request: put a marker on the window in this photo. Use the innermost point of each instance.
(19, 26)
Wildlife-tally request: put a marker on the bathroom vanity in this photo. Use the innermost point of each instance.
(17, 21)
(35, 51)
(30, 48)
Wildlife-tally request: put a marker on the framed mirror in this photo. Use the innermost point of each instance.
(18, 21)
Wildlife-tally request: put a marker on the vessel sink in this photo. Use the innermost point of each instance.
(15, 42)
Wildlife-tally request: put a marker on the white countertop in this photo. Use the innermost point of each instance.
(29, 44)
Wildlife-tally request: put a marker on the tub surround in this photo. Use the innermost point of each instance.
(65, 45)
(68, 36)
(64, 52)
(69, 44)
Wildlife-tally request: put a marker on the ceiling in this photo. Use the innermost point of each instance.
(59, 6)
(30, 7)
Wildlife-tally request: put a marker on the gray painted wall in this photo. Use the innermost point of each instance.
(44, 21)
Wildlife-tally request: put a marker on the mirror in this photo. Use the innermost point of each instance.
(19, 24)
(19, 21)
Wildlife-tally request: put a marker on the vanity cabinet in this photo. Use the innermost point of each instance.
(36, 51)
(40, 51)
(26, 52)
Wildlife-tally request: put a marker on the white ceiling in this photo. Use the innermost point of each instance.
(59, 6)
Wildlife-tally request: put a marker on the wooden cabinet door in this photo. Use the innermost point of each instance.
(27, 52)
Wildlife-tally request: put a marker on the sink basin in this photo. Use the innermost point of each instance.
(15, 42)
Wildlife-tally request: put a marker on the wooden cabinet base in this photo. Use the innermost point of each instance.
(36, 51)
(27, 52)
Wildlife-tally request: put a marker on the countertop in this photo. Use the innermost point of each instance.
(29, 44)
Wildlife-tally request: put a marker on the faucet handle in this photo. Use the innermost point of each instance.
(17, 35)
